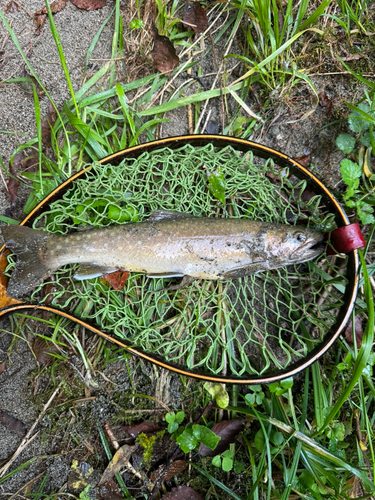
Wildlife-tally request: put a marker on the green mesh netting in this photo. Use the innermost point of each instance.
(260, 323)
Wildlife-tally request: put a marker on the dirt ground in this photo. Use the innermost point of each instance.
(66, 434)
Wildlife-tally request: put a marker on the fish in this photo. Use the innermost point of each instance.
(168, 244)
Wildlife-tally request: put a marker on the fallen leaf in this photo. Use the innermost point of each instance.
(21, 163)
(228, 431)
(358, 332)
(118, 462)
(195, 17)
(78, 477)
(117, 279)
(13, 424)
(163, 54)
(304, 160)
(5, 301)
(11, 8)
(41, 14)
(89, 4)
(212, 128)
(43, 350)
(182, 493)
(12, 186)
(109, 491)
(176, 467)
(47, 124)
(326, 102)
(145, 427)
(28, 84)
(2, 367)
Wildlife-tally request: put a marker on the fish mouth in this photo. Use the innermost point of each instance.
(309, 250)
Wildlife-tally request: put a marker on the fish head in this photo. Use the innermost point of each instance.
(303, 244)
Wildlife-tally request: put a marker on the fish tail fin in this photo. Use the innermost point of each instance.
(29, 246)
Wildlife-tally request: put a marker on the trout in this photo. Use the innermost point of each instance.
(167, 244)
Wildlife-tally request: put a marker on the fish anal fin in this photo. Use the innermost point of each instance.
(158, 215)
(90, 271)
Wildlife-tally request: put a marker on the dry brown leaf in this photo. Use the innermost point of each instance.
(2, 367)
(182, 493)
(5, 301)
(41, 14)
(358, 332)
(118, 462)
(326, 102)
(148, 427)
(163, 54)
(117, 279)
(195, 17)
(43, 350)
(13, 424)
(176, 467)
(21, 162)
(47, 124)
(89, 4)
(11, 8)
(228, 431)
(109, 491)
(304, 160)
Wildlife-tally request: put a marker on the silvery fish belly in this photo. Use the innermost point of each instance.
(167, 244)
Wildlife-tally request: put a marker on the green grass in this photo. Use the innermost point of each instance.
(322, 416)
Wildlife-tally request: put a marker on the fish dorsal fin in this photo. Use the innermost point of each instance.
(90, 271)
(167, 214)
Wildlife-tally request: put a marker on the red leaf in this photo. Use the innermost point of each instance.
(146, 427)
(89, 4)
(358, 332)
(182, 493)
(109, 491)
(326, 102)
(228, 431)
(195, 17)
(47, 124)
(2, 367)
(163, 54)
(117, 279)
(13, 424)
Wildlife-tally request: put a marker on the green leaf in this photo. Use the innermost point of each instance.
(277, 438)
(137, 24)
(187, 441)
(287, 383)
(346, 143)
(227, 464)
(216, 184)
(216, 461)
(365, 217)
(170, 417)
(206, 436)
(259, 441)
(356, 122)
(250, 398)
(350, 173)
(238, 467)
(172, 427)
(218, 393)
(365, 140)
(180, 416)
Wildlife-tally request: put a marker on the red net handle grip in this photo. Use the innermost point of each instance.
(347, 238)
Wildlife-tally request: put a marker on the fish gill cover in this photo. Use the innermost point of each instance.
(251, 325)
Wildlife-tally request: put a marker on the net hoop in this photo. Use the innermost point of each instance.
(221, 142)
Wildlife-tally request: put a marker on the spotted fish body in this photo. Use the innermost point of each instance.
(167, 244)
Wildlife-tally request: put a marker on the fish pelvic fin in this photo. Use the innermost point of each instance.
(29, 245)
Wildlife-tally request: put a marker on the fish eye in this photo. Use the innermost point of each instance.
(300, 237)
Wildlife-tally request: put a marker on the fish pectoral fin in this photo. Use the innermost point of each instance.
(167, 214)
(165, 275)
(90, 271)
(239, 272)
